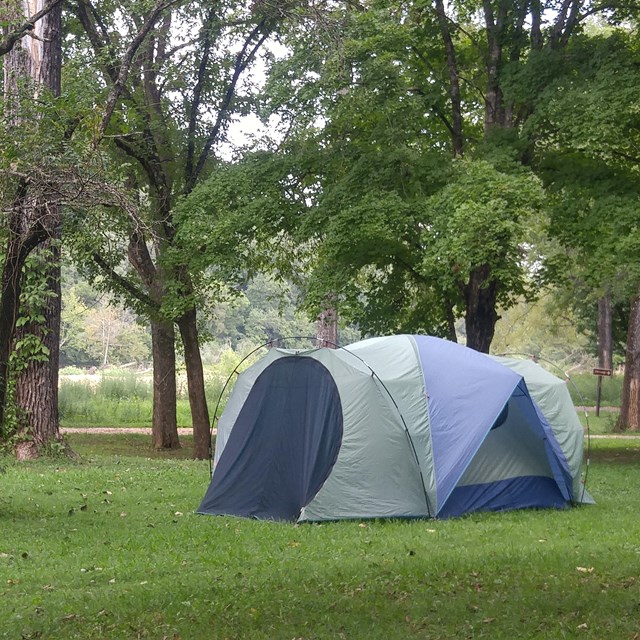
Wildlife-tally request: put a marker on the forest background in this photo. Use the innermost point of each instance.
(467, 170)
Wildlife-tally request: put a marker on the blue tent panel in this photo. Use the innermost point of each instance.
(282, 446)
(513, 493)
(467, 392)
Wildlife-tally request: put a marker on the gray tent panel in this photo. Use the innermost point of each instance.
(283, 445)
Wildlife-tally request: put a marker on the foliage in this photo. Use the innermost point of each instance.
(120, 398)
(587, 139)
(139, 562)
(545, 328)
(27, 347)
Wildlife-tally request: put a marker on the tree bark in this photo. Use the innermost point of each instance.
(37, 386)
(630, 410)
(481, 315)
(32, 221)
(195, 382)
(19, 246)
(164, 425)
(494, 113)
(327, 328)
(605, 332)
(457, 141)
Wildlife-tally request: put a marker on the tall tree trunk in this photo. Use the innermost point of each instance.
(19, 245)
(195, 382)
(481, 315)
(34, 63)
(630, 409)
(164, 424)
(37, 386)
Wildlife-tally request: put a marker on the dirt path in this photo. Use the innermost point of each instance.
(182, 431)
(187, 431)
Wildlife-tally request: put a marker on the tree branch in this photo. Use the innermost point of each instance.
(197, 94)
(123, 283)
(125, 64)
(244, 57)
(9, 41)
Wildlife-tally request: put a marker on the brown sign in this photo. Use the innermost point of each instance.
(602, 372)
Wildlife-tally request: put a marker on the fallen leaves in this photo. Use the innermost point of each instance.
(584, 569)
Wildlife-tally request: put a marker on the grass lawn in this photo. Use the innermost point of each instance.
(109, 547)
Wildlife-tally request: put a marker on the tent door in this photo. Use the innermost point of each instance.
(283, 445)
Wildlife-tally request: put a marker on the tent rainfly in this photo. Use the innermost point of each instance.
(394, 427)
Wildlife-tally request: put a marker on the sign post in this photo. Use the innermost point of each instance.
(600, 373)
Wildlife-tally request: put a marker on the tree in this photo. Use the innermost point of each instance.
(399, 126)
(31, 74)
(587, 134)
(171, 95)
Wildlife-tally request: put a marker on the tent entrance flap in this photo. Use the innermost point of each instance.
(283, 445)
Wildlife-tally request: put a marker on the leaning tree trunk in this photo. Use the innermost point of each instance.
(195, 383)
(164, 424)
(480, 304)
(630, 410)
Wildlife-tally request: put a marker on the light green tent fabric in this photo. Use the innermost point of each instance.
(554, 400)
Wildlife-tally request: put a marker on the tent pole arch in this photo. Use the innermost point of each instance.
(567, 377)
(268, 344)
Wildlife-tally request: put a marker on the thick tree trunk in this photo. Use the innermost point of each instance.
(630, 410)
(37, 385)
(481, 315)
(195, 382)
(18, 248)
(164, 426)
(33, 64)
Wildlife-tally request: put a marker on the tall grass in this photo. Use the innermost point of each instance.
(124, 400)
(582, 387)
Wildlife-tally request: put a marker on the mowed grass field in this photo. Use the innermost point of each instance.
(109, 547)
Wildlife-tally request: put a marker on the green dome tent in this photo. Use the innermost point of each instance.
(402, 427)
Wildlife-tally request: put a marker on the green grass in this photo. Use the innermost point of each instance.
(603, 424)
(582, 388)
(120, 399)
(109, 547)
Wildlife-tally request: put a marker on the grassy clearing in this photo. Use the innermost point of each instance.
(110, 548)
